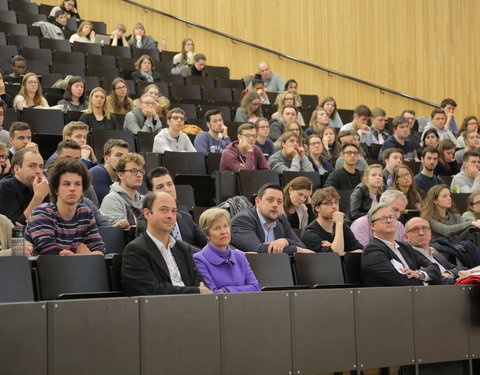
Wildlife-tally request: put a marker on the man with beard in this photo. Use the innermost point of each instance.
(216, 139)
(425, 179)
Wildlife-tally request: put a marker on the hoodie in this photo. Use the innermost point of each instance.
(118, 205)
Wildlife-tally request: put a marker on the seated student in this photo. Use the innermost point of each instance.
(140, 40)
(329, 232)
(291, 157)
(347, 177)
(118, 36)
(403, 180)
(172, 138)
(277, 127)
(124, 201)
(468, 180)
(19, 68)
(263, 228)
(98, 114)
(425, 179)
(292, 86)
(186, 229)
(397, 201)
(198, 66)
(163, 104)
(143, 118)
(145, 70)
(263, 137)
(392, 158)
(439, 123)
(473, 211)
(118, 100)
(68, 6)
(5, 99)
(84, 33)
(243, 154)
(105, 175)
(469, 123)
(331, 145)
(156, 263)
(74, 96)
(316, 155)
(351, 136)
(318, 122)
(250, 109)
(65, 226)
(440, 211)
(296, 202)
(365, 193)
(5, 164)
(447, 166)
(78, 132)
(188, 47)
(430, 138)
(30, 94)
(472, 140)
(216, 139)
(272, 81)
(59, 23)
(330, 104)
(27, 188)
(386, 262)
(4, 134)
(223, 268)
(379, 120)
(419, 235)
(283, 99)
(361, 116)
(399, 139)
(20, 137)
(258, 86)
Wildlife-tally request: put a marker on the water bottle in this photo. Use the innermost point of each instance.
(18, 241)
(164, 45)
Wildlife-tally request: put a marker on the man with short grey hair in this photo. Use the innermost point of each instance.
(386, 262)
(397, 201)
(272, 81)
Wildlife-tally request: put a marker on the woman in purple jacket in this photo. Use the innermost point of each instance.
(223, 269)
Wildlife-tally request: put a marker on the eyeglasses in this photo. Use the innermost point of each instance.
(150, 103)
(251, 136)
(417, 230)
(120, 88)
(405, 175)
(135, 172)
(264, 127)
(384, 219)
(330, 203)
(177, 118)
(315, 143)
(351, 153)
(32, 82)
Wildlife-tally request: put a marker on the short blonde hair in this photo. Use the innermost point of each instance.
(3, 147)
(209, 216)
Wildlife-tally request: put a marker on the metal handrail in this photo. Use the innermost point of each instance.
(330, 71)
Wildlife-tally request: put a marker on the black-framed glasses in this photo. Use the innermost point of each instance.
(135, 171)
(330, 203)
(384, 219)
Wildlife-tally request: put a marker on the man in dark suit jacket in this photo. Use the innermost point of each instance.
(156, 263)
(419, 235)
(263, 228)
(386, 262)
(159, 179)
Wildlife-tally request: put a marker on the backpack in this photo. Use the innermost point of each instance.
(236, 204)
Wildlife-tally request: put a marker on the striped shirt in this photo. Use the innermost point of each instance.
(49, 233)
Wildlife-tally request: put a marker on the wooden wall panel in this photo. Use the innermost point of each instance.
(424, 48)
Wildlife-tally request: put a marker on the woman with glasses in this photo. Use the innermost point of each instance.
(292, 86)
(440, 211)
(318, 121)
(74, 96)
(250, 109)
(143, 118)
(30, 94)
(316, 156)
(366, 193)
(163, 104)
(4, 161)
(282, 100)
(469, 123)
(98, 114)
(296, 202)
(118, 100)
(263, 137)
(403, 180)
(473, 212)
(145, 70)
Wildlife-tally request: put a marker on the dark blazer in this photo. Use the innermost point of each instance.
(189, 230)
(144, 271)
(136, 76)
(248, 234)
(447, 265)
(377, 269)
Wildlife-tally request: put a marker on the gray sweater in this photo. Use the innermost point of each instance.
(136, 122)
(278, 163)
(455, 225)
(466, 184)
